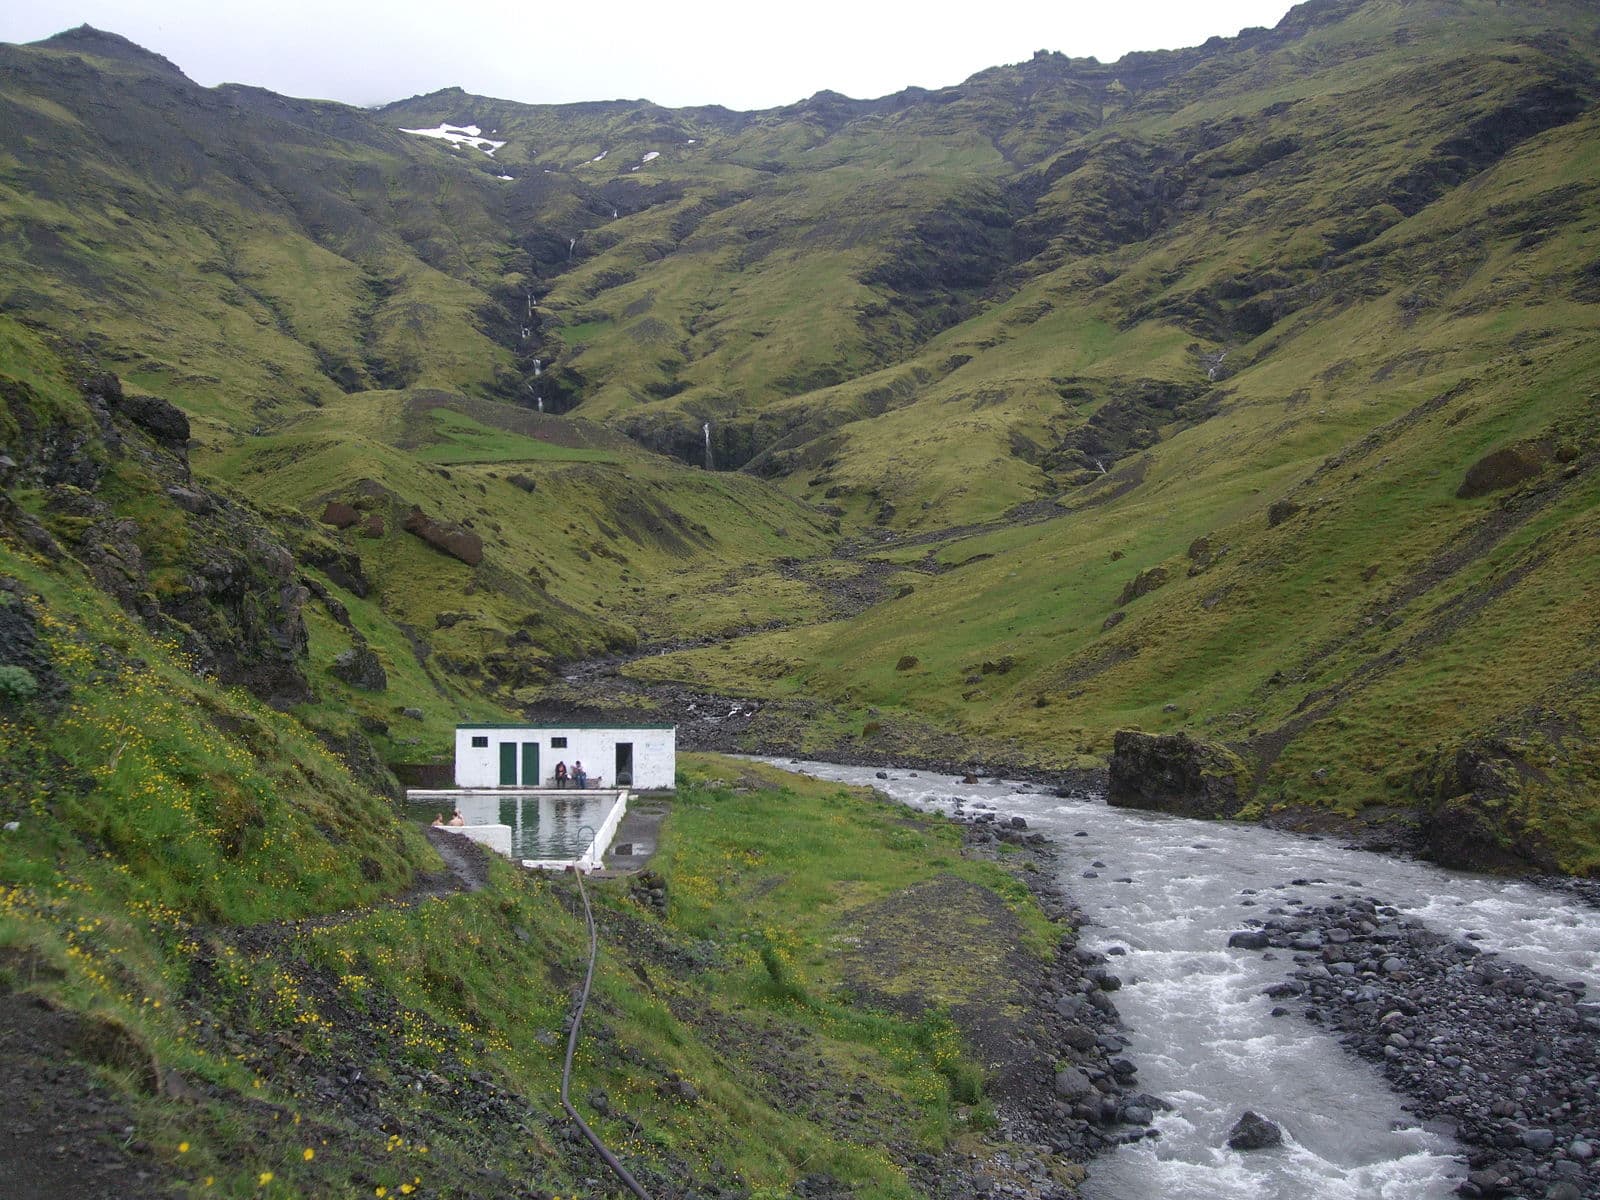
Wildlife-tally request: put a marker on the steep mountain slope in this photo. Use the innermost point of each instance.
(1244, 391)
(229, 965)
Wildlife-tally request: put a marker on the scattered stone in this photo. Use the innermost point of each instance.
(1504, 1054)
(1254, 1132)
(453, 540)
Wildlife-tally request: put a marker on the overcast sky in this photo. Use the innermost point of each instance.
(744, 55)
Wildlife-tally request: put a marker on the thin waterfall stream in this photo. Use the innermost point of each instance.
(1161, 896)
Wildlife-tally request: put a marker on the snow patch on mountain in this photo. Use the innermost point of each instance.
(460, 135)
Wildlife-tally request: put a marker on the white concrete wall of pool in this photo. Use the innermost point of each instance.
(526, 756)
(542, 829)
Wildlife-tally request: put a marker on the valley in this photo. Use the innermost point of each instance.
(1214, 431)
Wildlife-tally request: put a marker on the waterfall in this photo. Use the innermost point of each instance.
(570, 246)
(706, 429)
(536, 368)
(539, 401)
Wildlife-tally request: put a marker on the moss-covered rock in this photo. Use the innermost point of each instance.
(1473, 815)
(1503, 468)
(1178, 774)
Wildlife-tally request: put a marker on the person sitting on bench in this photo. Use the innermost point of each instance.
(580, 777)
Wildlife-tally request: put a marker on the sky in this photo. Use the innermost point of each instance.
(744, 55)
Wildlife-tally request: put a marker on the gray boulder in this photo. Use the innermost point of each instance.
(1073, 1084)
(1254, 1132)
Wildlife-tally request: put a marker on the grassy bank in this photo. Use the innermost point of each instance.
(263, 972)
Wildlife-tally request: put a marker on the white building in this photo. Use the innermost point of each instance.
(636, 756)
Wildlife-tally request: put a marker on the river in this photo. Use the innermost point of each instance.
(1160, 895)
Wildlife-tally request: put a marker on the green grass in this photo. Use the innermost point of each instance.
(464, 440)
(920, 315)
(191, 810)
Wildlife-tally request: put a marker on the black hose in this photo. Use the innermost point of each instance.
(611, 1160)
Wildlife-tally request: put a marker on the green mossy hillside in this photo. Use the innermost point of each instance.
(250, 960)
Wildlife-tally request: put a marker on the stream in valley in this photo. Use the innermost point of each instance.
(1161, 895)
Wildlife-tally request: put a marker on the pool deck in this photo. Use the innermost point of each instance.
(638, 835)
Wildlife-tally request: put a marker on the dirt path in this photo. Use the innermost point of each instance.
(62, 1132)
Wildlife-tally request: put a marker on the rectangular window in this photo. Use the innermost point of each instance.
(558, 743)
(480, 742)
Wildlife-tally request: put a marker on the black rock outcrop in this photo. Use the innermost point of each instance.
(1176, 773)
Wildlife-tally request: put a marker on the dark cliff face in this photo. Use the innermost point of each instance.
(107, 483)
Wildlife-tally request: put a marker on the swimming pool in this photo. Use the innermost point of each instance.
(544, 826)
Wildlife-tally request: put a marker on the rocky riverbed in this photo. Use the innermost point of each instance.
(1507, 1058)
(1087, 1098)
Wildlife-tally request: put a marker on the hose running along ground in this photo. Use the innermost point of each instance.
(610, 1159)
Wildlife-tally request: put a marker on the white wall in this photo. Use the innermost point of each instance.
(655, 761)
(496, 837)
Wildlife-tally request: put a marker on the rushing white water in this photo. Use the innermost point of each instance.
(1161, 894)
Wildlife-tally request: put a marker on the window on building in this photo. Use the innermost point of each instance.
(558, 743)
(481, 743)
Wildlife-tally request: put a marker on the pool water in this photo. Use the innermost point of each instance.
(542, 827)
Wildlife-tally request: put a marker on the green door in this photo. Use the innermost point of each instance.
(508, 764)
(530, 764)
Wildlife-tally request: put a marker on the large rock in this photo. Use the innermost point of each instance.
(359, 667)
(340, 515)
(1177, 774)
(1143, 584)
(1502, 468)
(1281, 511)
(1254, 1132)
(165, 422)
(1073, 1084)
(1471, 808)
(194, 565)
(448, 539)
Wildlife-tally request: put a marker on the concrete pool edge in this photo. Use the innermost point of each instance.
(497, 837)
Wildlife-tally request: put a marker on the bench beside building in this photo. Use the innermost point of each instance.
(641, 757)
